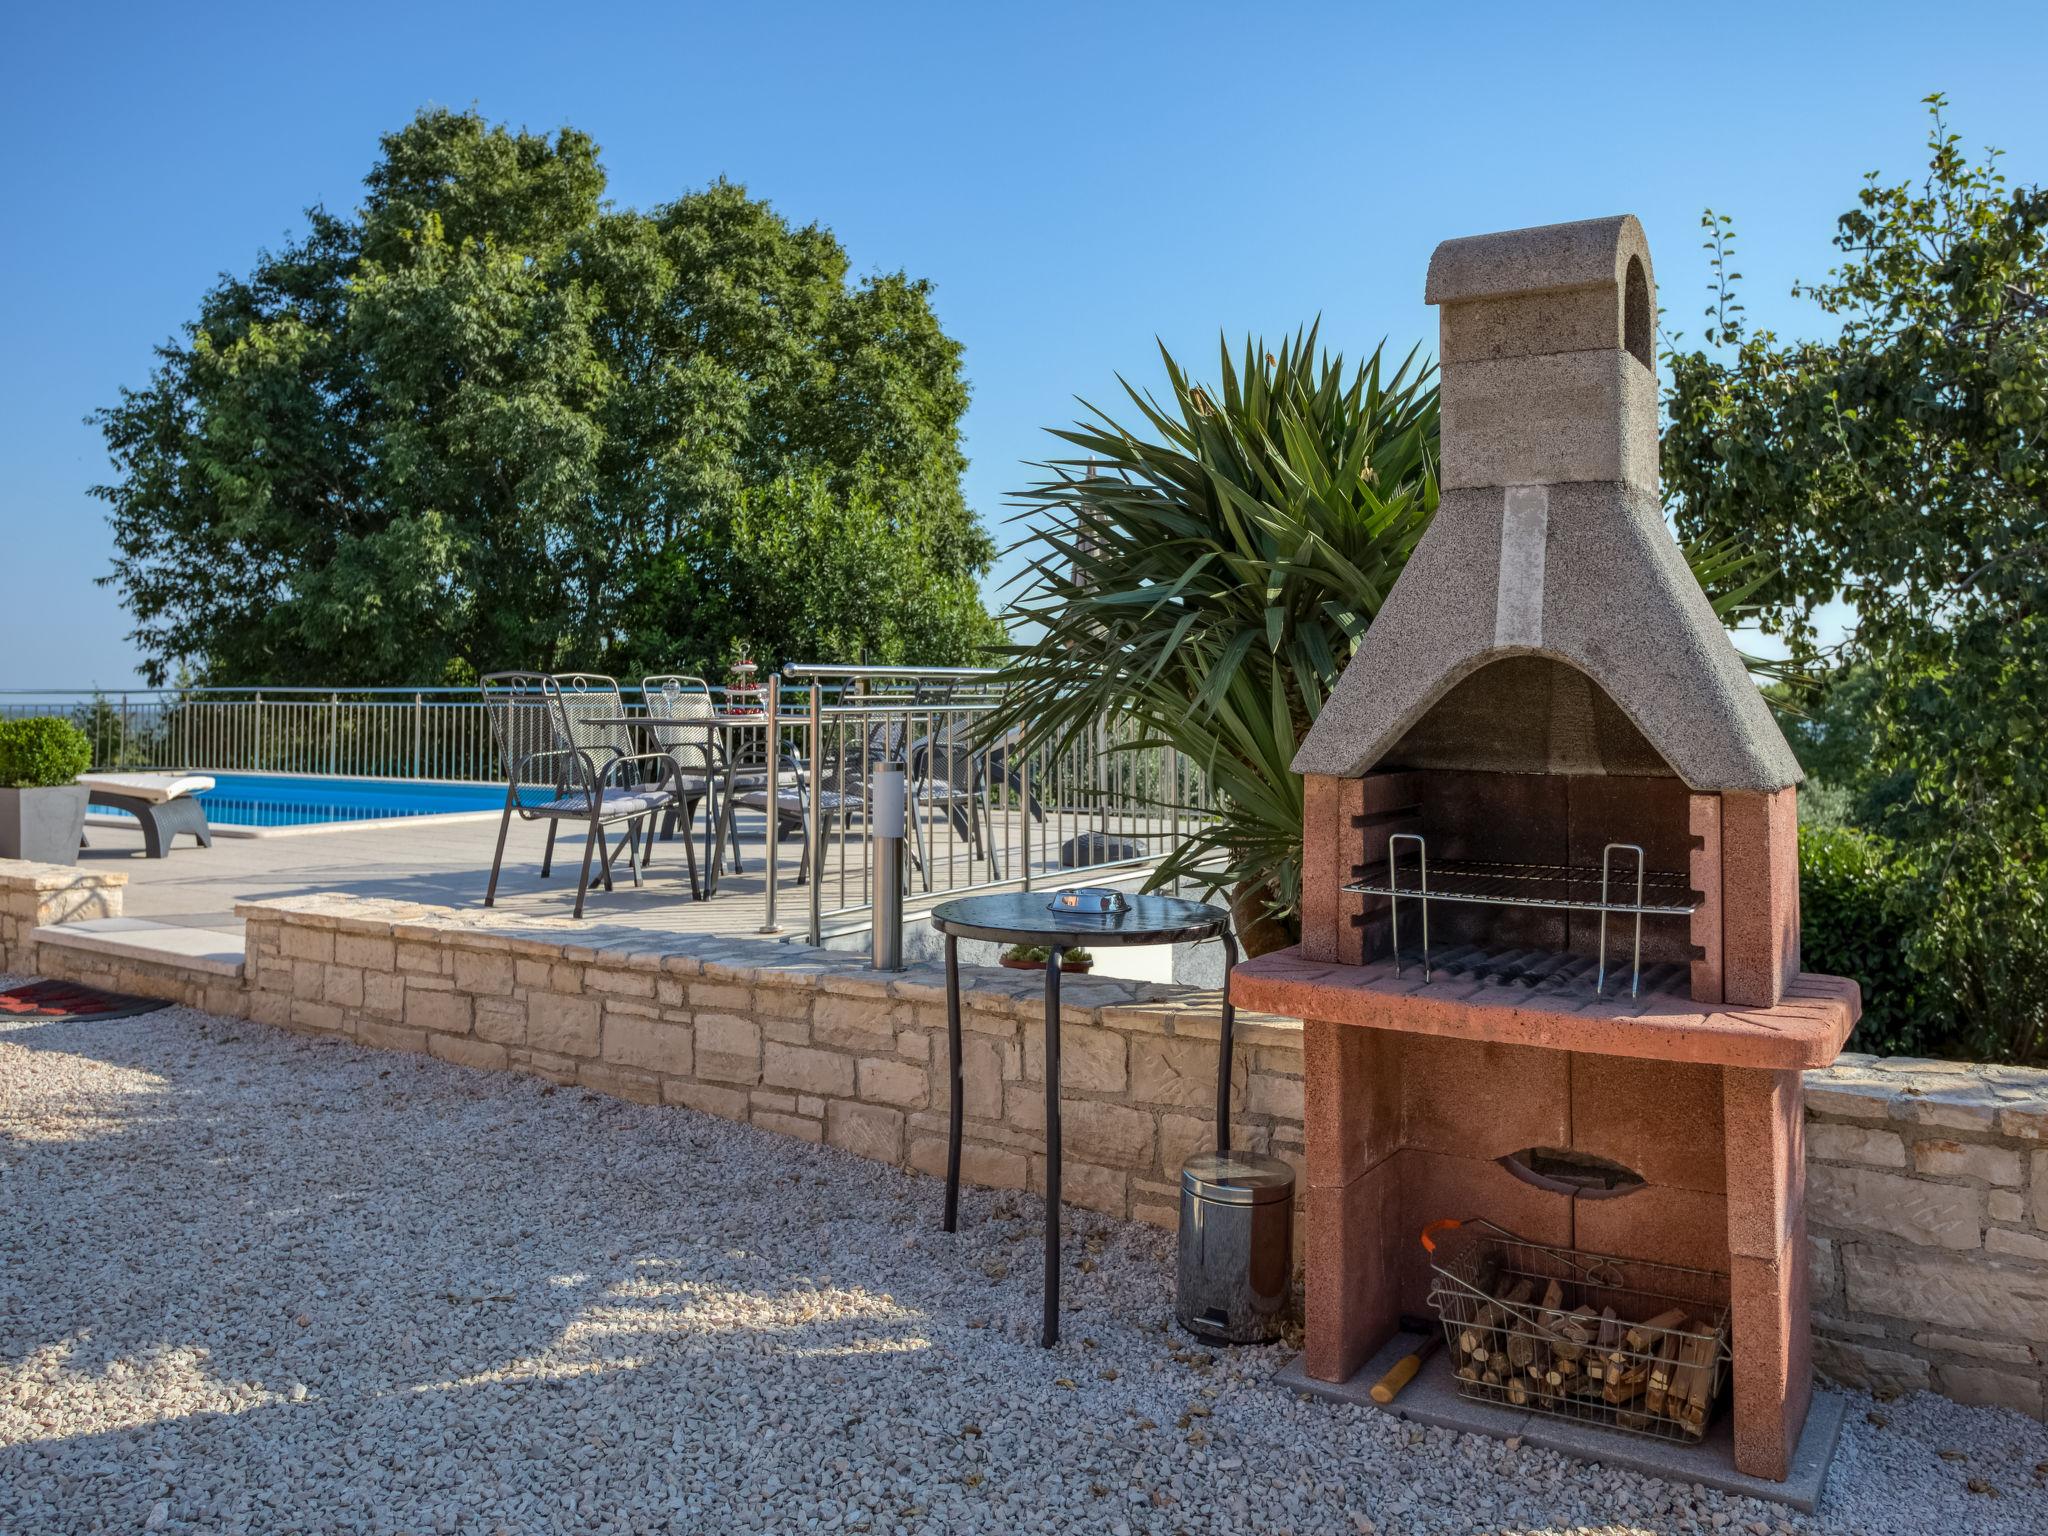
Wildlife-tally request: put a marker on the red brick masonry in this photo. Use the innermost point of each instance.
(1415, 1093)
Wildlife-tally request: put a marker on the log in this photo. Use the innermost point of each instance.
(1661, 1367)
(1643, 1336)
(1573, 1331)
(1695, 1386)
(1626, 1385)
(1473, 1337)
(1481, 1337)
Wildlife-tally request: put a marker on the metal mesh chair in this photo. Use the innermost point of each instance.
(565, 760)
(679, 711)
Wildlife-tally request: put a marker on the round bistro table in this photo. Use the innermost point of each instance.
(1027, 917)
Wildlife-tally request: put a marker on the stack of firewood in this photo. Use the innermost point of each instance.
(1535, 1352)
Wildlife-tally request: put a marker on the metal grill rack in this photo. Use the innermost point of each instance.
(1558, 887)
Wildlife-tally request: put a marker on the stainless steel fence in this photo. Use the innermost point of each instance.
(984, 812)
(360, 733)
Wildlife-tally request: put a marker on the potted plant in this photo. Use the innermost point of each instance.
(42, 808)
(1031, 957)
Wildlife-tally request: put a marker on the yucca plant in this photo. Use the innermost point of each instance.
(1210, 584)
(1206, 580)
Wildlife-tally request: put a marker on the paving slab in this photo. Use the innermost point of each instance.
(217, 951)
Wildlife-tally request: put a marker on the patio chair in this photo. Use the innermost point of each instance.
(554, 736)
(676, 707)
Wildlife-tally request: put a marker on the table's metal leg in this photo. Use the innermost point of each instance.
(957, 1107)
(1049, 1335)
(721, 834)
(1225, 1048)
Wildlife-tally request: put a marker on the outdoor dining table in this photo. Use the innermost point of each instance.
(1030, 917)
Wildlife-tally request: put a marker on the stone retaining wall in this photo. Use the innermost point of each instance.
(1927, 1205)
(1927, 1181)
(811, 1045)
(35, 896)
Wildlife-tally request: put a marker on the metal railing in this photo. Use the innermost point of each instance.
(983, 812)
(358, 733)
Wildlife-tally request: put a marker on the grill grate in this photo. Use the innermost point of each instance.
(1555, 887)
(1665, 893)
(1551, 972)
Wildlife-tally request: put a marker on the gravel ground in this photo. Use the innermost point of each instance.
(250, 1282)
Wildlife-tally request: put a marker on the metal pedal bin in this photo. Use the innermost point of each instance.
(1236, 1246)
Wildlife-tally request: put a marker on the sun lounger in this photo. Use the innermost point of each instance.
(165, 803)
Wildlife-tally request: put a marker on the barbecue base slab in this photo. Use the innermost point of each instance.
(1432, 1399)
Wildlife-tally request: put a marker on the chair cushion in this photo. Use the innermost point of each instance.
(617, 802)
(757, 800)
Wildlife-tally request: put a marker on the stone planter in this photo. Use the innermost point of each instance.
(43, 826)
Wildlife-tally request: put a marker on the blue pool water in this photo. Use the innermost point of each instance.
(288, 800)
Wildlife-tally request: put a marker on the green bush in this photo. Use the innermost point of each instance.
(41, 751)
(1851, 925)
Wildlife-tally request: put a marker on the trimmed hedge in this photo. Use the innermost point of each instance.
(41, 752)
(1850, 926)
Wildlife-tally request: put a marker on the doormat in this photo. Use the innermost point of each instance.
(68, 1000)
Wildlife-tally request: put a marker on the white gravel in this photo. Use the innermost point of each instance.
(250, 1282)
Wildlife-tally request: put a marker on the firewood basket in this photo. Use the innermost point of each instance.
(1626, 1343)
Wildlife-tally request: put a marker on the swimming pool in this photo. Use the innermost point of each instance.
(294, 800)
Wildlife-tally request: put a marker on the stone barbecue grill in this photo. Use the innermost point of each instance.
(1547, 775)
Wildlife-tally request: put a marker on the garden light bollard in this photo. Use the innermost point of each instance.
(888, 824)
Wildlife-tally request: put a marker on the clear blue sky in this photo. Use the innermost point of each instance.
(1076, 180)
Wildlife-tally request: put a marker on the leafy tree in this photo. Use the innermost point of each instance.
(490, 420)
(1901, 463)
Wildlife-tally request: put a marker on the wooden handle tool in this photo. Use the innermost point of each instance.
(1389, 1386)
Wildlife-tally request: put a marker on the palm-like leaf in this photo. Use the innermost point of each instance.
(1207, 577)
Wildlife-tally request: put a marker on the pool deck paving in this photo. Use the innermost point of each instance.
(183, 905)
(442, 862)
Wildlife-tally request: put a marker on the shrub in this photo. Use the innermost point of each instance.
(41, 751)
(1851, 925)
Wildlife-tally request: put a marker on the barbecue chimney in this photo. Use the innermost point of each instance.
(1547, 678)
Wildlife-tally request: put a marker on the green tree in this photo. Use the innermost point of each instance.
(1903, 463)
(489, 420)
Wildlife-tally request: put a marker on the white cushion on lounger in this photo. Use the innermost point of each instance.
(157, 787)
